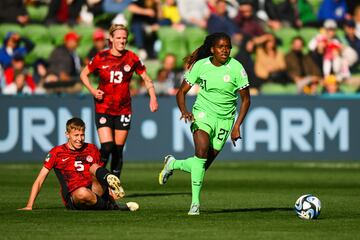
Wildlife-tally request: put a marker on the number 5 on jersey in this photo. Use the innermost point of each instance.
(116, 76)
(79, 166)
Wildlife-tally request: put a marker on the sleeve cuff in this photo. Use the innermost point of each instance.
(245, 86)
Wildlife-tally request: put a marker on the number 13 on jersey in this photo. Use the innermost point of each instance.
(116, 76)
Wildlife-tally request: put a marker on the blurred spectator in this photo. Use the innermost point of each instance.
(328, 51)
(64, 67)
(117, 7)
(16, 68)
(13, 45)
(247, 21)
(194, 14)
(2, 78)
(266, 11)
(297, 13)
(19, 86)
(269, 62)
(174, 74)
(220, 22)
(356, 18)
(333, 9)
(64, 11)
(351, 38)
(301, 68)
(99, 41)
(40, 71)
(331, 85)
(244, 55)
(144, 24)
(170, 12)
(289, 14)
(13, 11)
(162, 85)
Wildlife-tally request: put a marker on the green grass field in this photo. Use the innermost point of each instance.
(240, 200)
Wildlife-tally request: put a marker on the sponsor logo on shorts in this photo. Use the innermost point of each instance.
(89, 159)
(227, 78)
(102, 120)
(126, 124)
(127, 68)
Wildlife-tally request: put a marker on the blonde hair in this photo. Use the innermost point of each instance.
(75, 124)
(115, 27)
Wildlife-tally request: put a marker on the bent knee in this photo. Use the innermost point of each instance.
(83, 196)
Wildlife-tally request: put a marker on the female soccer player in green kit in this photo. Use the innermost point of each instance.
(220, 78)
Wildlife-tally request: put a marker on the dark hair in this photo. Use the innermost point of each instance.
(205, 49)
(298, 38)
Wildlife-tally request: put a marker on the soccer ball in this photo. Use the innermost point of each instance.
(307, 207)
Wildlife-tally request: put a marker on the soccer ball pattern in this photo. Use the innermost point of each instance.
(308, 207)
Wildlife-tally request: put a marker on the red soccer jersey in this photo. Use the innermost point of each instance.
(72, 166)
(115, 74)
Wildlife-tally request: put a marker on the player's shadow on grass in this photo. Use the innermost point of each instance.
(250, 210)
(137, 195)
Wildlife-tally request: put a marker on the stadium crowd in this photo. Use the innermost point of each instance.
(286, 46)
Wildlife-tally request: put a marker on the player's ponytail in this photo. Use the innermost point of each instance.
(205, 49)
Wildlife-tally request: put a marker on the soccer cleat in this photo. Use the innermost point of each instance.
(129, 206)
(117, 191)
(194, 209)
(166, 172)
(133, 206)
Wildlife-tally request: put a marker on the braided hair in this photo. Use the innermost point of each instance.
(204, 50)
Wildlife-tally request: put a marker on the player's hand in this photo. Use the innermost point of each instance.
(187, 116)
(153, 105)
(25, 209)
(98, 94)
(235, 135)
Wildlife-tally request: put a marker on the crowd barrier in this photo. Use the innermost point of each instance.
(276, 128)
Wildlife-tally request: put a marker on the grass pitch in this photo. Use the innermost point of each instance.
(240, 200)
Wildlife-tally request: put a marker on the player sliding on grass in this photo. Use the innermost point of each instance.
(84, 183)
(115, 67)
(220, 78)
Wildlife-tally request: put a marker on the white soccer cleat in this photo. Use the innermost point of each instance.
(166, 172)
(194, 210)
(133, 206)
(117, 191)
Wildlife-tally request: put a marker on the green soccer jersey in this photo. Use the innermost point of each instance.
(219, 86)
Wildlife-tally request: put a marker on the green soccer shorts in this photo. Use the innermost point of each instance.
(218, 129)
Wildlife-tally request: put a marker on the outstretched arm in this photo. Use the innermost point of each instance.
(180, 99)
(44, 172)
(245, 104)
(151, 90)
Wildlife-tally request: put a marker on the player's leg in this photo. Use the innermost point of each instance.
(104, 125)
(107, 180)
(85, 199)
(109, 197)
(212, 154)
(122, 126)
(117, 153)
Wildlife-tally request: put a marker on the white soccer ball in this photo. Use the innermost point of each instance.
(308, 207)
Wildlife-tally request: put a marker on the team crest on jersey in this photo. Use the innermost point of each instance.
(201, 115)
(48, 157)
(127, 68)
(89, 159)
(102, 120)
(227, 78)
